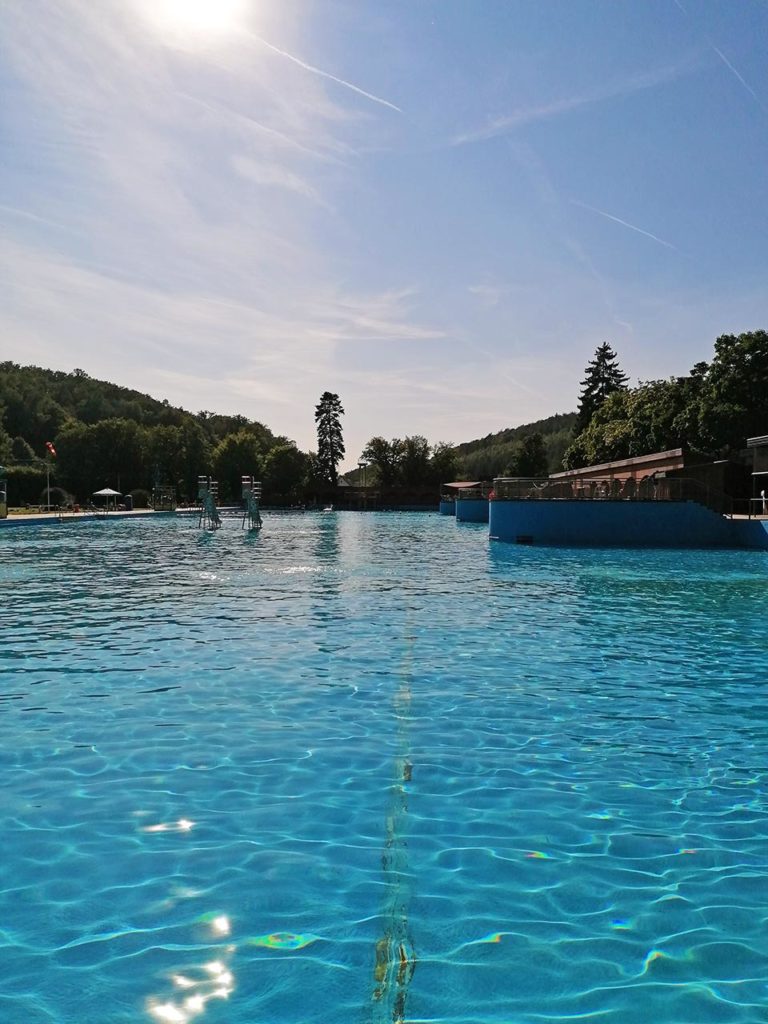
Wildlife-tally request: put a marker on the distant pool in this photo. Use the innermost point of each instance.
(369, 767)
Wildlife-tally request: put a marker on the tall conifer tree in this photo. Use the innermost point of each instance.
(330, 443)
(603, 377)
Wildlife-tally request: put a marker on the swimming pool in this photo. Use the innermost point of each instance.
(370, 767)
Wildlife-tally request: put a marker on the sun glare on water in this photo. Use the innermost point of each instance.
(196, 19)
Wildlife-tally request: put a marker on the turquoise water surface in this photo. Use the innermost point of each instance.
(370, 767)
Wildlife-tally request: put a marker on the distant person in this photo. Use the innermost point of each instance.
(763, 500)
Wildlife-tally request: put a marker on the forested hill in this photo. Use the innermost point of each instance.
(35, 404)
(106, 435)
(492, 455)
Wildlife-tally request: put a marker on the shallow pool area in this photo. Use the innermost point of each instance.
(371, 767)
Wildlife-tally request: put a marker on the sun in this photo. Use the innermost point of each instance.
(196, 19)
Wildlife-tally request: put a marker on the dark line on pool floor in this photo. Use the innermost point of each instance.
(395, 956)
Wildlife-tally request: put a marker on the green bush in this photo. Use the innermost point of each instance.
(140, 498)
(56, 496)
(26, 485)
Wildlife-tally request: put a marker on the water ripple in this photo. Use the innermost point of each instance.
(217, 803)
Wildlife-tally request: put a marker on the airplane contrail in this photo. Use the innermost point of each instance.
(326, 74)
(626, 224)
(746, 85)
(730, 67)
(519, 118)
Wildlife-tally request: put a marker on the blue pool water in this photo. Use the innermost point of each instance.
(367, 768)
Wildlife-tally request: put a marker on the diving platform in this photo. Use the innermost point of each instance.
(208, 496)
(251, 490)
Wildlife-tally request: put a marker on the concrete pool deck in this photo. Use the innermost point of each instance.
(39, 518)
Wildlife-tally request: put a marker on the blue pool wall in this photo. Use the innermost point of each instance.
(674, 524)
(472, 510)
(447, 508)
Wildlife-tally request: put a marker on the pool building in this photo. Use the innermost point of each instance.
(656, 500)
(467, 500)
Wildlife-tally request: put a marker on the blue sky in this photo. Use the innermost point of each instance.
(437, 209)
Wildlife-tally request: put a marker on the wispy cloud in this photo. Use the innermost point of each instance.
(325, 74)
(370, 317)
(554, 205)
(541, 112)
(47, 222)
(276, 175)
(488, 294)
(239, 352)
(188, 202)
(626, 224)
(214, 221)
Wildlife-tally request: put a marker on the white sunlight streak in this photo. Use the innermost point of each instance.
(196, 18)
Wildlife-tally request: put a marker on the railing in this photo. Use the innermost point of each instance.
(611, 489)
(757, 508)
(480, 493)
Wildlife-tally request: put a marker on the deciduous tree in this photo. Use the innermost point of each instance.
(444, 463)
(384, 458)
(285, 471)
(414, 461)
(237, 455)
(21, 451)
(733, 402)
(532, 456)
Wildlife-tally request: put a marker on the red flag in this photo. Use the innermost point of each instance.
(51, 449)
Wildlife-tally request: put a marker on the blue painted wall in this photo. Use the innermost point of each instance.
(675, 524)
(472, 510)
(447, 508)
(751, 533)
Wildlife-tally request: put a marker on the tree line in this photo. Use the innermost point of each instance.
(709, 412)
(108, 435)
(105, 435)
(506, 453)
(410, 463)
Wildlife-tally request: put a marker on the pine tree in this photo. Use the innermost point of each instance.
(603, 377)
(330, 444)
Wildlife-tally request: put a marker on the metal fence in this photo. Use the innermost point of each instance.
(480, 493)
(611, 489)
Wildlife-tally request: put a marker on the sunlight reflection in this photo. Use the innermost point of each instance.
(169, 1012)
(220, 925)
(199, 985)
(219, 984)
(182, 825)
